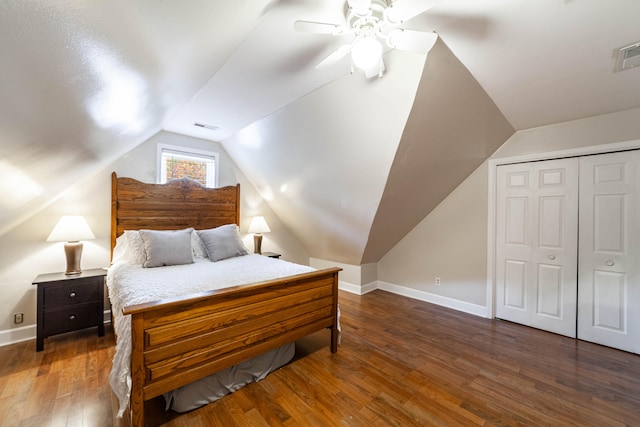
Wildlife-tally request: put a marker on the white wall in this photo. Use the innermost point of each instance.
(445, 244)
(450, 242)
(322, 165)
(357, 279)
(604, 129)
(140, 164)
(24, 253)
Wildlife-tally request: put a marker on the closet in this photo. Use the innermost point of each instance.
(568, 247)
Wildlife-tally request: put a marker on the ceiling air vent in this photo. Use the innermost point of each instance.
(206, 126)
(628, 57)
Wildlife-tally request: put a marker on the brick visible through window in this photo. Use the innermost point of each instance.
(178, 162)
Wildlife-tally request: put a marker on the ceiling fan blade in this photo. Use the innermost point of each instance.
(335, 56)
(403, 10)
(318, 27)
(360, 7)
(412, 41)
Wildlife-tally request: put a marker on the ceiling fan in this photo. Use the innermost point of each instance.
(372, 24)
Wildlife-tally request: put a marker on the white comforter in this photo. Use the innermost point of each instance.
(131, 284)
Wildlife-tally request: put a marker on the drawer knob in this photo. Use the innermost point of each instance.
(610, 263)
(72, 317)
(72, 295)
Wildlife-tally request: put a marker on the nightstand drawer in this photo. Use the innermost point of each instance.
(70, 319)
(77, 292)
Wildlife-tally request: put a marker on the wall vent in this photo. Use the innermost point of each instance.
(206, 126)
(628, 57)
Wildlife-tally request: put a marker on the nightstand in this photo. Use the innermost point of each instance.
(69, 302)
(271, 254)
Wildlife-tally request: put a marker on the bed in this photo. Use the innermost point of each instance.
(177, 340)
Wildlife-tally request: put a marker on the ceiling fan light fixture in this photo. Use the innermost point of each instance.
(372, 22)
(366, 52)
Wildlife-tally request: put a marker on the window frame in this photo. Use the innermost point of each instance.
(188, 152)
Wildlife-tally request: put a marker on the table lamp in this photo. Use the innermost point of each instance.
(258, 226)
(71, 229)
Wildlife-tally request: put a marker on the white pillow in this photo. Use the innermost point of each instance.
(129, 248)
(198, 248)
(223, 242)
(167, 247)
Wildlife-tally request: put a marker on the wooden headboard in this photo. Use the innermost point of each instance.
(180, 203)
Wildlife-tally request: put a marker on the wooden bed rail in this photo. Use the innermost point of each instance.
(179, 340)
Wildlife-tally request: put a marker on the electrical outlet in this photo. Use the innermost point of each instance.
(437, 281)
(18, 318)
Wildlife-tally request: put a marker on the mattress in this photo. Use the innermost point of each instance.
(131, 284)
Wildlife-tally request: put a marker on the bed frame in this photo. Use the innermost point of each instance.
(177, 341)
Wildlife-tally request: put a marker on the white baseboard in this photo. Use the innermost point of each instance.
(455, 304)
(357, 289)
(467, 307)
(16, 335)
(26, 333)
(349, 287)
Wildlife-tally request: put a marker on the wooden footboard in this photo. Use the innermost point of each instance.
(177, 341)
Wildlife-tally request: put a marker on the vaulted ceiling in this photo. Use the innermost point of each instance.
(350, 164)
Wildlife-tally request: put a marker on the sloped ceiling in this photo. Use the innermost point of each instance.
(82, 83)
(323, 161)
(453, 127)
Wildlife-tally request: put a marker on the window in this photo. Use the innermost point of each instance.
(179, 162)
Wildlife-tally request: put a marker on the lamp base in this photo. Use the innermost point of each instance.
(73, 251)
(257, 243)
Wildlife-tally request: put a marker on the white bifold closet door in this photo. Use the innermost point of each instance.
(609, 250)
(537, 226)
(568, 247)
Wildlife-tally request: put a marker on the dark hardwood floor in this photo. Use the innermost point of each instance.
(402, 362)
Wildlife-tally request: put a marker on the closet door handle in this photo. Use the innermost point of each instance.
(610, 263)
(552, 257)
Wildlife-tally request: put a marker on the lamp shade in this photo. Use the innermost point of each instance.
(71, 228)
(259, 225)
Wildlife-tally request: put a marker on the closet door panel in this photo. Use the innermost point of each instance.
(515, 285)
(536, 244)
(609, 290)
(514, 250)
(551, 213)
(609, 223)
(609, 285)
(550, 291)
(555, 243)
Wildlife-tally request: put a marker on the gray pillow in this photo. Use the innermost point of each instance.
(223, 242)
(164, 248)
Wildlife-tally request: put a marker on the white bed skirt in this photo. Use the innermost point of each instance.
(218, 385)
